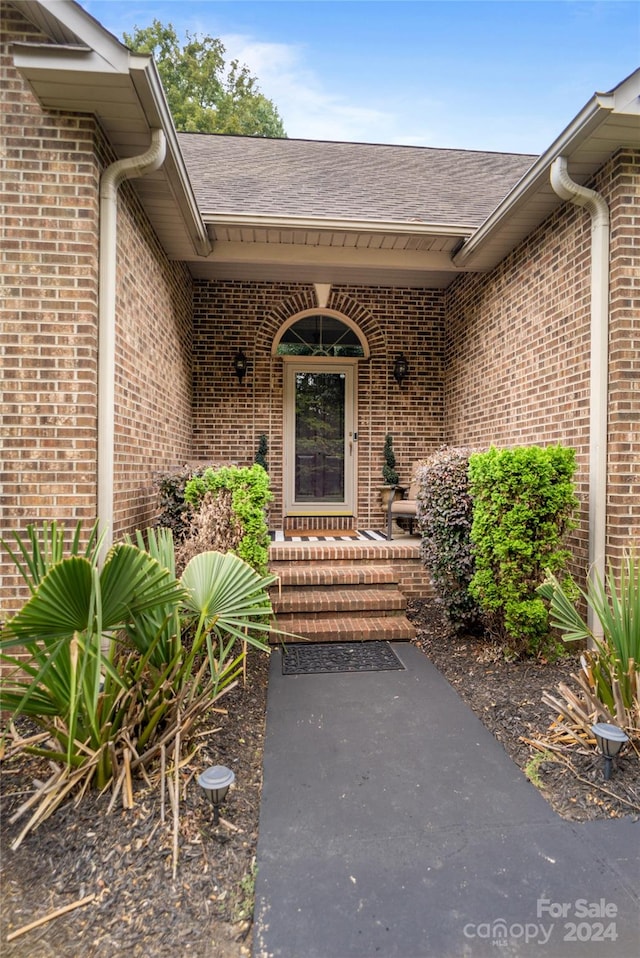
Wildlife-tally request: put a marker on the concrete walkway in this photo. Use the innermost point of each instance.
(394, 825)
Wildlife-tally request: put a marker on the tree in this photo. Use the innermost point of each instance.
(204, 95)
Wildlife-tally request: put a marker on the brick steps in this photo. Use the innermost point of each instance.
(323, 602)
(329, 575)
(324, 597)
(345, 629)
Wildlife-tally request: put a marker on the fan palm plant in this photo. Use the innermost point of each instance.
(114, 663)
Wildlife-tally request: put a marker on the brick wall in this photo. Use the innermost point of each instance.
(51, 165)
(153, 427)
(517, 350)
(49, 186)
(620, 181)
(229, 418)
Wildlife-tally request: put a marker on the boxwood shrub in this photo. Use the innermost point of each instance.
(523, 505)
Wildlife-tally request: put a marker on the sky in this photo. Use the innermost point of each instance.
(503, 75)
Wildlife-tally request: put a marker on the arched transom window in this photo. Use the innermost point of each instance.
(320, 334)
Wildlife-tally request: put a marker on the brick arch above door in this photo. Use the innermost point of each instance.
(305, 300)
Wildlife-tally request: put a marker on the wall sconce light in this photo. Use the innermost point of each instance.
(215, 782)
(240, 365)
(610, 740)
(400, 369)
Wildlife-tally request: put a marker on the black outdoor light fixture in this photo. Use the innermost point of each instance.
(400, 369)
(215, 782)
(610, 740)
(240, 365)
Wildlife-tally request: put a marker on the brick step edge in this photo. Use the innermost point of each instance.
(334, 575)
(328, 602)
(345, 629)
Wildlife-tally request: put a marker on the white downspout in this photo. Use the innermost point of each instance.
(567, 189)
(111, 179)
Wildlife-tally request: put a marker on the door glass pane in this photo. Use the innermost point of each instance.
(320, 445)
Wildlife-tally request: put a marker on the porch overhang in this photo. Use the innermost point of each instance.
(256, 247)
(86, 70)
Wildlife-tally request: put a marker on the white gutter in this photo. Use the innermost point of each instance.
(568, 189)
(113, 176)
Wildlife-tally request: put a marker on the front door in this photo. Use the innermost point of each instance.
(319, 437)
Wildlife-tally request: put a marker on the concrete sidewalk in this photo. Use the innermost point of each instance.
(394, 825)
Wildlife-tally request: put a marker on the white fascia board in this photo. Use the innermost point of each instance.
(624, 99)
(401, 228)
(145, 77)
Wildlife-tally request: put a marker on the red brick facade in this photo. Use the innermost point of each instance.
(517, 350)
(229, 418)
(499, 358)
(49, 188)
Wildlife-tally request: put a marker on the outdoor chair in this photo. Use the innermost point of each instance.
(406, 506)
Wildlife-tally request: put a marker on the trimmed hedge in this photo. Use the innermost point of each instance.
(174, 510)
(523, 504)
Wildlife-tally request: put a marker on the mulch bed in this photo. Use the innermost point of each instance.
(507, 698)
(124, 858)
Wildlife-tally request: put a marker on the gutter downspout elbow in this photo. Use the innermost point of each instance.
(568, 189)
(115, 174)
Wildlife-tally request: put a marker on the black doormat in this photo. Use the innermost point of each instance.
(302, 659)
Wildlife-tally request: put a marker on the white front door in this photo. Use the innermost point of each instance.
(320, 437)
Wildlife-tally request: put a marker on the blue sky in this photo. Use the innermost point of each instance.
(506, 75)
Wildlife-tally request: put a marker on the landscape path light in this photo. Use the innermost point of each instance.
(215, 782)
(610, 740)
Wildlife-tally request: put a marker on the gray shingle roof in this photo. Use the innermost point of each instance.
(356, 181)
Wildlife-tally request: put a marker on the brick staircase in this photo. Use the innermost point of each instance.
(343, 592)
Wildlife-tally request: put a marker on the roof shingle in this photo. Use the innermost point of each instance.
(352, 181)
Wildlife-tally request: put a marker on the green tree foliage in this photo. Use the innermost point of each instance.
(524, 501)
(204, 95)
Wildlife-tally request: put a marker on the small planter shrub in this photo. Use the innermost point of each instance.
(261, 453)
(238, 501)
(524, 502)
(389, 472)
(445, 516)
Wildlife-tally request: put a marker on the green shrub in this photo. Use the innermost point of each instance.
(250, 497)
(524, 501)
(445, 516)
(146, 685)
